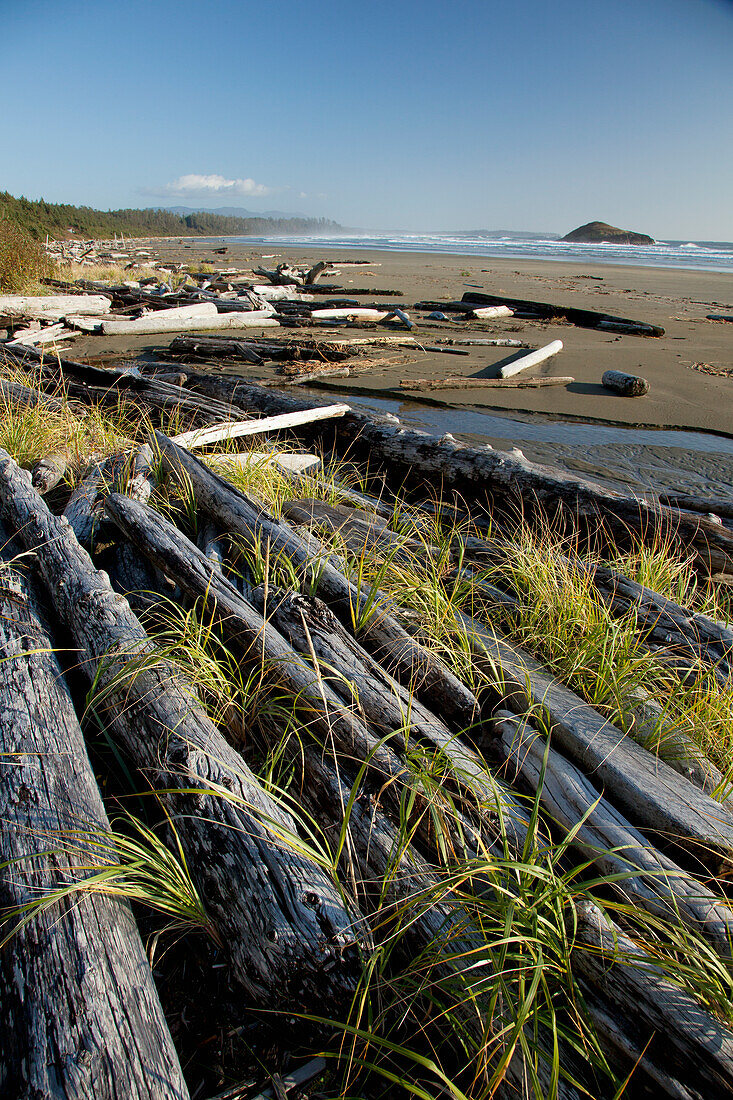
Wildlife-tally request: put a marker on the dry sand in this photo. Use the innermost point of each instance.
(677, 300)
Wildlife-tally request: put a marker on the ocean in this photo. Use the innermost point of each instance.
(700, 255)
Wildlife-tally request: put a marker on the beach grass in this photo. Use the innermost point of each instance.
(446, 1016)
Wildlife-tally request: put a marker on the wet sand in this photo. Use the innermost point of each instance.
(677, 300)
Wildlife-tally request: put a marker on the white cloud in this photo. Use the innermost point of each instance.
(193, 184)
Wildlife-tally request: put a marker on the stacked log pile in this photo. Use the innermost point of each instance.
(370, 696)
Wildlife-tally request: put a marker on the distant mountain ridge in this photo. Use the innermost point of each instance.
(232, 212)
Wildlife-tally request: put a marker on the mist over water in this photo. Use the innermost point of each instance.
(703, 256)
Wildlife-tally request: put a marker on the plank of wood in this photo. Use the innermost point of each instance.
(79, 1011)
(237, 429)
(460, 383)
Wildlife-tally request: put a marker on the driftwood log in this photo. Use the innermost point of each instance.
(506, 481)
(628, 385)
(277, 913)
(352, 711)
(410, 662)
(79, 1011)
(584, 318)
(635, 869)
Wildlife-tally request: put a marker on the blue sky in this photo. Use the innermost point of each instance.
(423, 115)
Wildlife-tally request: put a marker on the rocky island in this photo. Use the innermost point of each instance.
(603, 233)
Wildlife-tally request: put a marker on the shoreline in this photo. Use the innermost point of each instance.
(680, 398)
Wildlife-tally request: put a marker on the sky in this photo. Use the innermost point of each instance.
(420, 115)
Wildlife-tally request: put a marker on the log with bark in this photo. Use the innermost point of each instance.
(79, 1010)
(277, 913)
(628, 385)
(584, 318)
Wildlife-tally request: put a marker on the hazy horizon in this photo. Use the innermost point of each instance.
(420, 117)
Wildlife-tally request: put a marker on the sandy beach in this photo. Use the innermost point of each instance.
(680, 397)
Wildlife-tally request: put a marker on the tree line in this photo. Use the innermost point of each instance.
(38, 218)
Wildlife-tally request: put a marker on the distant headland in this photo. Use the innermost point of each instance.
(602, 232)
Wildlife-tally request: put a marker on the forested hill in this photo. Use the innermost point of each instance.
(38, 218)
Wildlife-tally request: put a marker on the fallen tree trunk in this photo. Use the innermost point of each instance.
(79, 1011)
(696, 1047)
(280, 917)
(652, 795)
(210, 319)
(15, 394)
(633, 868)
(410, 662)
(48, 472)
(584, 318)
(54, 306)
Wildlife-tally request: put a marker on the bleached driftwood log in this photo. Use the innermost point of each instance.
(532, 360)
(79, 1011)
(54, 307)
(276, 912)
(485, 313)
(237, 429)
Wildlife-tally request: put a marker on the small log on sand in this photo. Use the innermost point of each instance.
(357, 312)
(79, 1011)
(532, 360)
(278, 914)
(628, 385)
(486, 313)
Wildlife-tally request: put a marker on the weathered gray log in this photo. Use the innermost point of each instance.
(697, 1047)
(280, 917)
(53, 306)
(15, 394)
(390, 709)
(47, 472)
(410, 662)
(82, 511)
(628, 385)
(653, 796)
(352, 715)
(79, 1011)
(496, 477)
(634, 869)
